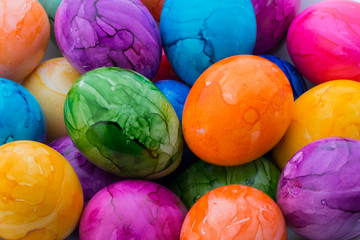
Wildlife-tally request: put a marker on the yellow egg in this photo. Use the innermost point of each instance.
(328, 110)
(49, 83)
(40, 196)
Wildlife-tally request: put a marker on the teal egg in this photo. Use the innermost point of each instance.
(201, 177)
(51, 7)
(120, 121)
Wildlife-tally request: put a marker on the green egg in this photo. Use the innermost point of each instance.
(201, 177)
(120, 121)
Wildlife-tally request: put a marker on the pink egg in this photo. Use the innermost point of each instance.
(323, 41)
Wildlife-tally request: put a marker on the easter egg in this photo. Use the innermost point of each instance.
(201, 177)
(273, 18)
(330, 109)
(293, 75)
(120, 121)
(133, 209)
(41, 196)
(92, 178)
(176, 92)
(155, 7)
(330, 30)
(196, 34)
(237, 110)
(234, 212)
(24, 37)
(21, 115)
(49, 84)
(104, 33)
(165, 71)
(319, 190)
(51, 7)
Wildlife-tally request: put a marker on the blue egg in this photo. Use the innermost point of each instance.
(295, 78)
(176, 92)
(21, 117)
(198, 33)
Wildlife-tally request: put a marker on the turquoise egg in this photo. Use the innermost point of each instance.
(196, 34)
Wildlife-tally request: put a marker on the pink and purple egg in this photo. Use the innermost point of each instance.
(318, 191)
(323, 41)
(133, 209)
(104, 33)
(92, 178)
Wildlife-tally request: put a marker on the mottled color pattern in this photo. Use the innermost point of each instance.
(92, 178)
(49, 83)
(328, 110)
(176, 92)
(165, 72)
(234, 212)
(237, 110)
(201, 177)
(330, 30)
(319, 190)
(103, 33)
(51, 7)
(21, 115)
(295, 78)
(41, 196)
(196, 34)
(24, 37)
(133, 209)
(155, 7)
(122, 123)
(273, 18)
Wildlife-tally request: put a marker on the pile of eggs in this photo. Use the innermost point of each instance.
(177, 119)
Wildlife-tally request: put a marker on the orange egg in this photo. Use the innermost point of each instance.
(24, 37)
(237, 110)
(234, 212)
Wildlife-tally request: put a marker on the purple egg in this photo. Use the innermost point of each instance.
(92, 178)
(273, 18)
(319, 189)
(105, 33)
(133, 209)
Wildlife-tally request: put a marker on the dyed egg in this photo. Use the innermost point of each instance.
(319, 190)
(21, 115)
(120, 121)
(328, 110)
(237, 110)
(330, 30)
(165, 71)
(273, 18)
(49, 83)
(155, 7)
(234, 212)
(295, 78)
(51, 7)
(40, 196)
(133, 209)
(176, 92)
(196, 34)
(201, 177)
(24, 37)
(92, 178)
(121, 33)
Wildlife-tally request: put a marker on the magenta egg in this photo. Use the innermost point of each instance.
(133, 209)
(323, 41)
